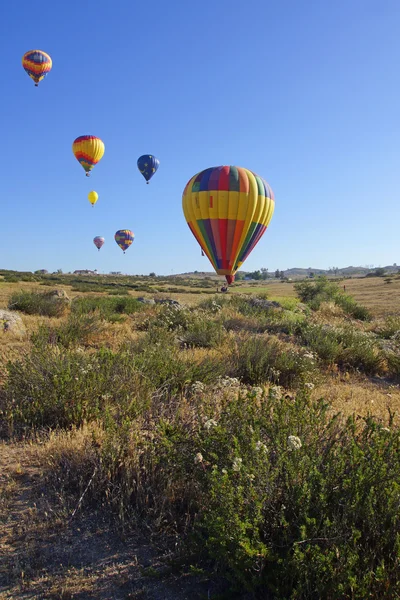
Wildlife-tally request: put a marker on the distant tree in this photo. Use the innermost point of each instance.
(239, 276)
(277, 274)
(379, 272)
(255, 275)
(311, 274)
(264, 273)
(153, 274)
(59, 272)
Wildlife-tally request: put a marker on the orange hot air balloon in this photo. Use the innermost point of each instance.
(88, 150)
(228, 210)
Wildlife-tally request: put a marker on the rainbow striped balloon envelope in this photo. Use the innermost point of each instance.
(228, 210)
(37, 64)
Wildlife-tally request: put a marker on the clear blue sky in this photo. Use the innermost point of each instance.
(304, 92)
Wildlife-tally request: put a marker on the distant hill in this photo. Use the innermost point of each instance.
(299, 273)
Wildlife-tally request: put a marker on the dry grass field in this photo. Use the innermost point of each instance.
(53, 547)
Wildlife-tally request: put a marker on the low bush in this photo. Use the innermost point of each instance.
(271, 491)
(77, 330)
(257, 359)
(38, 303)
(344, 346)
(108, 308)
(314, 293)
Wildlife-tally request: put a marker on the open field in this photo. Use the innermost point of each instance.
(138, 430)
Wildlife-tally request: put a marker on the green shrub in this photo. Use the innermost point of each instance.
(321, 290)
(203, 333)
(78, 329)
(272, 492)
(314, 516)
(345, 346)
(258, 359)
(38, 303)
(109, 309)
(390, 328)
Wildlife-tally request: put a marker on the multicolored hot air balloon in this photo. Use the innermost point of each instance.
(98, 241)
(228, 209)
(124, 238)
(93, 197)
(148, 165)
(37, 64)
(88, 150)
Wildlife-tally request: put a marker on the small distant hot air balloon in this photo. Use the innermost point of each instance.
(98, 241)
(228, 209)
(88, 150)
(37, 64)
(148, 165)
(93, 197)
(124, 238)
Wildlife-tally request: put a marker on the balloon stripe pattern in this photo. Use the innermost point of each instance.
(228, 210)
(37, 64)
(88, 150)
(148, 165)
(124, 238)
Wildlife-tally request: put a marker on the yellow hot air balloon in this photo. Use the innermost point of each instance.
(88, 150)
(93, 197)
(228, 209)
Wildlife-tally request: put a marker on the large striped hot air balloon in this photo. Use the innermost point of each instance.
(228, 209)
(37, 64)
(124, 238)
(88, 150)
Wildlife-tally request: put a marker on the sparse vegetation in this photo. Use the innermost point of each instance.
(205, 424)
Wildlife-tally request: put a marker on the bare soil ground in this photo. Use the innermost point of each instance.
(44, 553)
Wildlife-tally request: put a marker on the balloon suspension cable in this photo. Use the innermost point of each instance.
(87, 174)
(147, 182)
(36, 85)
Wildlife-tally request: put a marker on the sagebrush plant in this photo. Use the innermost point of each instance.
(257, 359)
(38, 303)
(314, 293)
(76, 330)
(284, 499)
(108, 308)
(345, 346)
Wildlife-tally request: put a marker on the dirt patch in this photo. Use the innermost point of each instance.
(44, 553)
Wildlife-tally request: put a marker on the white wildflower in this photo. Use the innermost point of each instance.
(224, 471)
(197, 387)
(210, 423)
(385, 429)
(275, 392)
(294, 442)
(309, 386)
(251, 476)
(261, 446)
(237, 464)
(198, 458)
(228, 382)
(256, 391)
